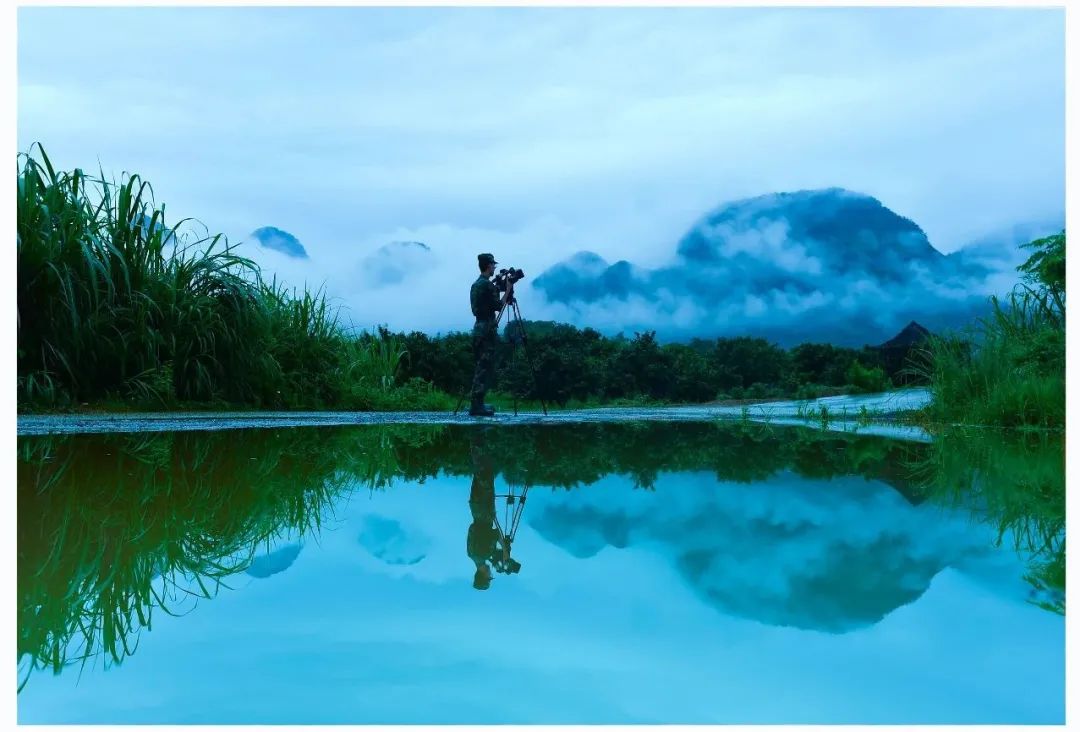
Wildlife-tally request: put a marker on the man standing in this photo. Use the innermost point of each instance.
(486, 305)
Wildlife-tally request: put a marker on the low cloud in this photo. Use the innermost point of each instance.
(392, 263)
(608, 130)
(830, 265)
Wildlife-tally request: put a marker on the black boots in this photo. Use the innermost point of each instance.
(479, 409)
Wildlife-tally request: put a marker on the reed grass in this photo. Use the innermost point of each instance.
(115, 304)
(1007, 370)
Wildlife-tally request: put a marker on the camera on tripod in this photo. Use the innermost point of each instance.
(507, 276)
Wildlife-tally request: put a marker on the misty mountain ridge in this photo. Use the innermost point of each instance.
(828, 265)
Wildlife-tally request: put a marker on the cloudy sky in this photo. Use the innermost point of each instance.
(535, 133)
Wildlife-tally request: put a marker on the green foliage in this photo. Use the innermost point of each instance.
(567, 365)
(743, 362)
(1009, 369)
(1046, 266)
(821, 363)
(114, 304)
(868, 380)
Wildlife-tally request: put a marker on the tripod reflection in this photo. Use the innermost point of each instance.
(490, 540)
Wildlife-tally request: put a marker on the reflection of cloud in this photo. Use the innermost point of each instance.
(826, 264)
(387, 540)
(275, 562)
(831, 555)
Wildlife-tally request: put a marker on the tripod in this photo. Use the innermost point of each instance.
(514, 309)
(515, 505)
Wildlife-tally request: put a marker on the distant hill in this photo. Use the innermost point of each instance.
(911, 335)
(270, 237)
(819, 231)
(830, 265)
(896, 351)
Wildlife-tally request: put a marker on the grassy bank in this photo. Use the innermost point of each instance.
(1008, 370)
(116, 305)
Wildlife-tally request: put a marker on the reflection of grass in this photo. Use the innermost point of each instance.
(864, 416)
(1016, 483)
(113, 527)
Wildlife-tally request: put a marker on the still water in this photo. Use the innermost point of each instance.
(588, 573)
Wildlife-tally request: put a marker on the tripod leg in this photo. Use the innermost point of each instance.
(525, 349)
(513, 350)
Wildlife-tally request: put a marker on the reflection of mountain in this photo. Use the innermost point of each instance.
(829, 265)
(829, 555)
(275, 562)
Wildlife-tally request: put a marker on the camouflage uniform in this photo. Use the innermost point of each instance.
(482, 536)
(484, 298)
(482, 539)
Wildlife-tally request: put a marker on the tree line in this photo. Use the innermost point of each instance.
(560, 364)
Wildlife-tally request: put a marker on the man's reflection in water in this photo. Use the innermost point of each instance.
(487, 545)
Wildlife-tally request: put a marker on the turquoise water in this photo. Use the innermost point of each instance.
(678, 573)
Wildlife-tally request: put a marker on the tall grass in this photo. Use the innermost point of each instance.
(115, 304)
(1008, 370)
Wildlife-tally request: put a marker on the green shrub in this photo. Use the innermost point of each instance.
(868, 380)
